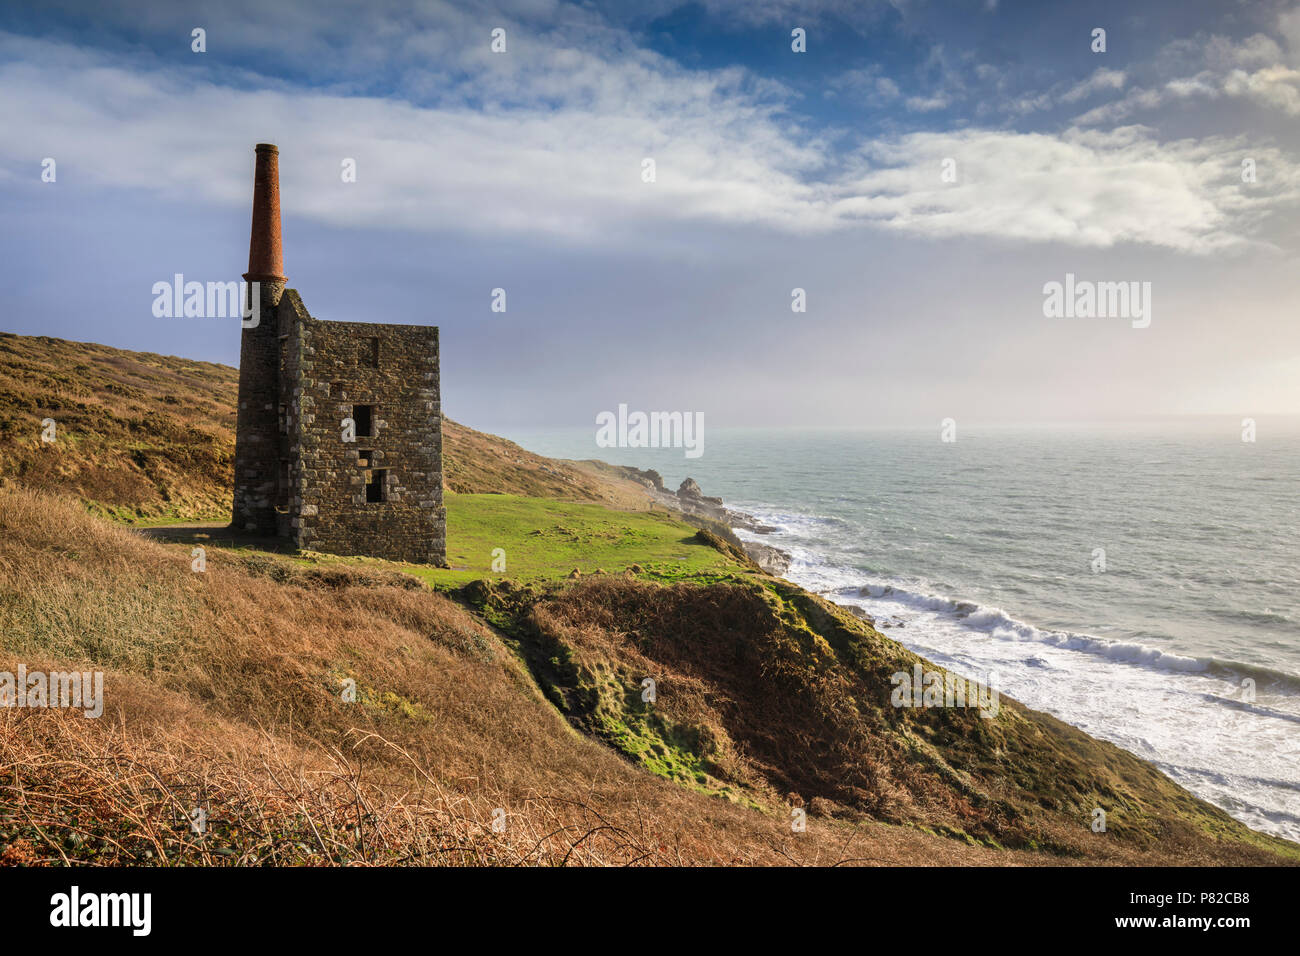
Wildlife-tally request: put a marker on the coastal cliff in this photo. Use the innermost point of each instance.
(608, 671)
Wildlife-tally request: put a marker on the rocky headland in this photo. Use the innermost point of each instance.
(691, 501)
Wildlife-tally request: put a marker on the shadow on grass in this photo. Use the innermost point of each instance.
(218, 535)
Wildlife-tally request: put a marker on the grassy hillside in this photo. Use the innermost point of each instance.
(147, 438)
(543, 540)
(537, 540)
(137, 435)
(482, 694)
(224, 692)
(477, 463)
(771, 694)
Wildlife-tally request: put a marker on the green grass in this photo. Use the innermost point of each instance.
(770, 689)
(544, 540)
(136, 517)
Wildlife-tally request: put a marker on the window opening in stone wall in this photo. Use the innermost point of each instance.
(365, 457)
(370, 352)
(363, 416)
(375, 486)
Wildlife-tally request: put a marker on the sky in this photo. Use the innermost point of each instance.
(921, 170)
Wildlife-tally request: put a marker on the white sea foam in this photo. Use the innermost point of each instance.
(987, 543)
(1184, 713)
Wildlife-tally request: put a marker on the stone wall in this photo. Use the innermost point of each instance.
(330, 369)
(257, 437)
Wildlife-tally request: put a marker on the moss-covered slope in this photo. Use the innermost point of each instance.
(770, 695)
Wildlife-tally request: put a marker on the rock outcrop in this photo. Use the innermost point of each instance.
(690, 491)
(692, 502)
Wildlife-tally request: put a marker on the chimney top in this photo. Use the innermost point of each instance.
(265, 257)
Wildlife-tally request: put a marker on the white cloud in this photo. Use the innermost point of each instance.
(563, 159)
(1083, 187)
(1276, 86)
(866, 86)
(1101, 80)
(1217, 67)
(927, 104)
(1288, 24)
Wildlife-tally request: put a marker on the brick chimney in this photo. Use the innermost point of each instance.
(265, 256)
(257, 424)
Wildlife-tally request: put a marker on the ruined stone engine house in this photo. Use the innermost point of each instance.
(301, 382)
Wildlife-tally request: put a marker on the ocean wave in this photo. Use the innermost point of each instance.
(1186, 713)
(1266, 616)
(1252, 708)
(998, 624)
(846, 582)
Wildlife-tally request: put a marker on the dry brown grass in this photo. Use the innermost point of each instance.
(139, 433)
(223, 690)
(145, 436)
(72, 793)
(478, 463)
(224, 686)
(766, 688)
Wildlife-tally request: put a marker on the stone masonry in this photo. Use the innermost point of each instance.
(302, 382)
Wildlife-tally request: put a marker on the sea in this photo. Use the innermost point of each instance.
(1140, 581)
